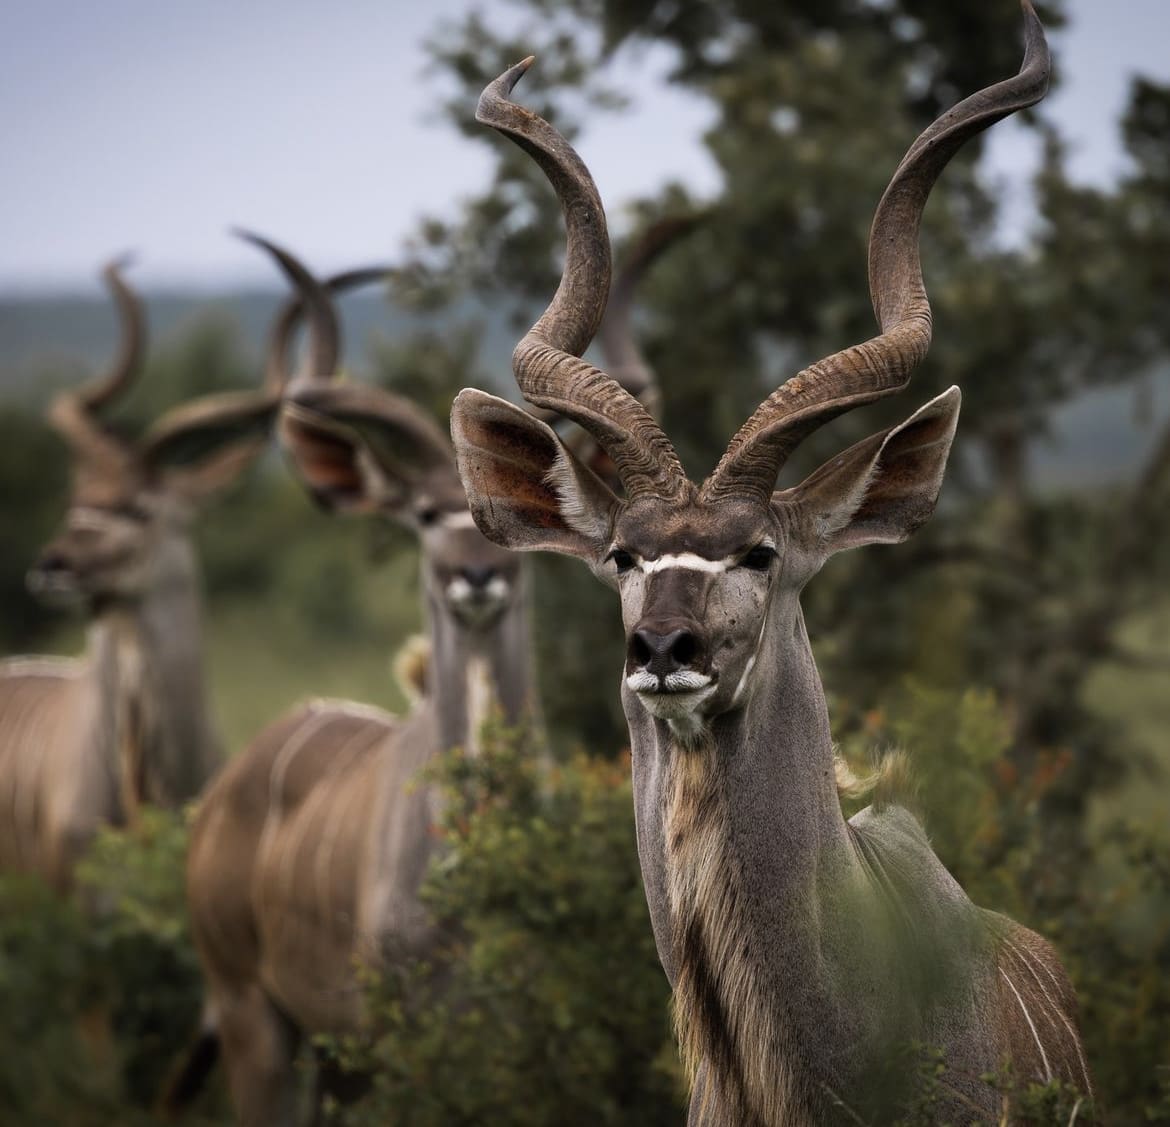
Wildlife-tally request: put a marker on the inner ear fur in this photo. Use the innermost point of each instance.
(325, 457)
(527, 491)
(201, 447)
(360, 448)
(881, 489)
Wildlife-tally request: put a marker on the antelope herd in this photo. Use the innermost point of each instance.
(802, 948)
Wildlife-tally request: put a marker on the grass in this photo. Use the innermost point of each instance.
(259, 667)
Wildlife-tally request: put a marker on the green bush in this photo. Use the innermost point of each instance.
(544, 1002)
(989, 823)
(99, 1001)
(140, 943)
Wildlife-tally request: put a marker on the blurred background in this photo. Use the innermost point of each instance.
(1018, 647)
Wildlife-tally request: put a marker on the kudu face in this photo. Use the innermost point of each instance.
(110, 547)
(709, 576)
(703, 581)
(696, 587)
(364, 450)
(340, 450)
(475, 580)
(124, 535)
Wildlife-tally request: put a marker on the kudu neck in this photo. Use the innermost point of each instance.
(480, 669)
(746, 859)
(773, 759)
(147, 654)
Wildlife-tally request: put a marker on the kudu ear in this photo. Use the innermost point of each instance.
(880, 490)
(360, 449)
(526, 489)
(200, 447)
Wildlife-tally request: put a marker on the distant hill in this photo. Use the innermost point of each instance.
(51, 333)
(1094, 439)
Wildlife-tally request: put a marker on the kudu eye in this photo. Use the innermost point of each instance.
(759, 558)
(622, 560)
(427, 516)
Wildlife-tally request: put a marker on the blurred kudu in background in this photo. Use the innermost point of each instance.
(309, 850)
(84, 742)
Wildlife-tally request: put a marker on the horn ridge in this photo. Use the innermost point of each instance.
(74, 413)
(128, 362)
(546, 362)
(324, 333)
(277, 372)
(882, 365)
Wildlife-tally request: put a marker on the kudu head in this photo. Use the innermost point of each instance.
(703, 570)
(131, 499)
(362, 449)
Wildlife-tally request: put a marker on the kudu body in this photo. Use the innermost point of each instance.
(805, 951)
(84, 742)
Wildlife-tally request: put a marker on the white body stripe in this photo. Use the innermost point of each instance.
(41, 667)
(1031, 1026)
(1031, 965)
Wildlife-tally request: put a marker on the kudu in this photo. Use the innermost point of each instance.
(804, 951)
(84, 742)
(308, 852)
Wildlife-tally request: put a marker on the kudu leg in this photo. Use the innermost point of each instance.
(259, 1052)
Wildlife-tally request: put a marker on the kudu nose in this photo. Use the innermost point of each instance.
(50, 563)
(663, 653)
(478, 577)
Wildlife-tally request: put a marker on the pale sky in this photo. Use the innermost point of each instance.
(154, 126)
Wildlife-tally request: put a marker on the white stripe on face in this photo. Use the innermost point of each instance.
(688, 560)
(461, 519)
(94, 520)
(694, 562)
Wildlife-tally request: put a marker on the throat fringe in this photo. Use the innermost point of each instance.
(720, 1016)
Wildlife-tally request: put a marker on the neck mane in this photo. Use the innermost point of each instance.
(748, 863)
(804, 951)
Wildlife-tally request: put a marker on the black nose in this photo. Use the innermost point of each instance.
(51, 562)
(661, 654)
(478, 577)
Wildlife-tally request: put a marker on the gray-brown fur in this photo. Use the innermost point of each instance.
(308, 852)
(84, 743)
(807, 953)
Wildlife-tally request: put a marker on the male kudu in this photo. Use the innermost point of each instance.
(309, 850)
(805, 951)
(84, 742)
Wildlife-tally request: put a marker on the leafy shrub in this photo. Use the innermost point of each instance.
(140, 943)
(99, 1001)
(988, 820)
(32, 487)
(1055, 1104)
(545, 1001)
